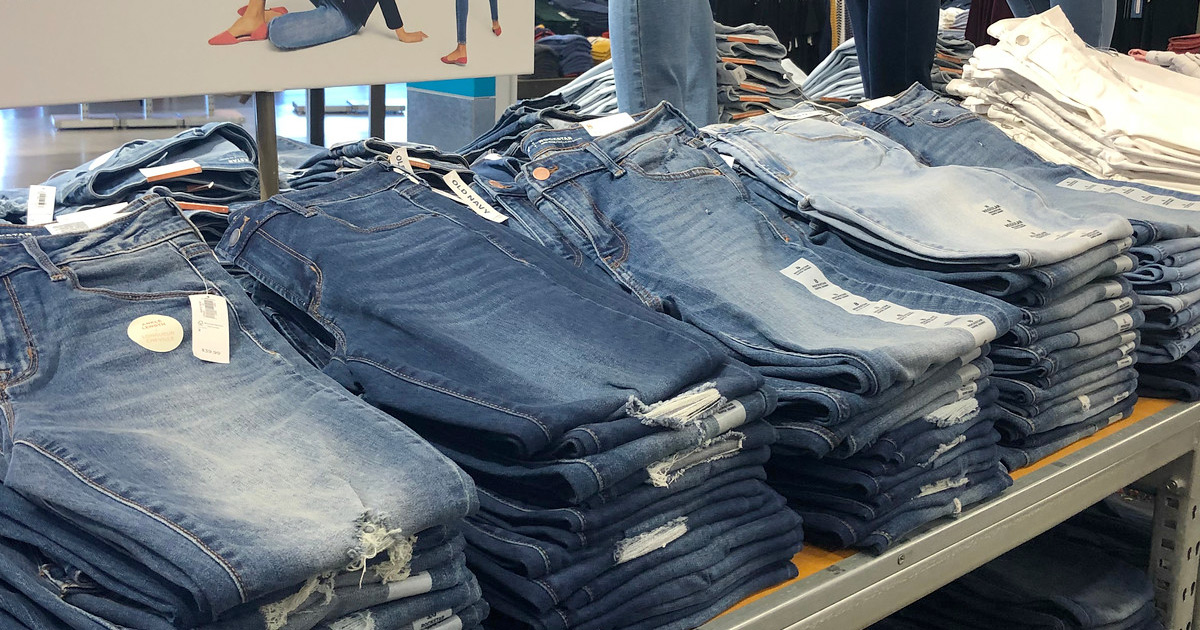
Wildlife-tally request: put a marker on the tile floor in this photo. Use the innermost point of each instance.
(31, 149)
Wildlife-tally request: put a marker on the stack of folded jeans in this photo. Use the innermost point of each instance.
(594, 92)
(504, 138)
(251, 494)
(837, 76)
(987, 233)
(1168, 281)
(619, 452)
(1052, 582)
(330, 164)
(1109, 115)
(940, 132)
(952, 53)
(213, 164)
(750, 74)
(852, 354)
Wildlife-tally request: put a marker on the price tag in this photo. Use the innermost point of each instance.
(156, 333)
(40, 209)
(210, 328)
(434, 620)
(399, 159)
(470, 199)
(608, 124)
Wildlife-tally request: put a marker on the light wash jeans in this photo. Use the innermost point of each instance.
(655, 45)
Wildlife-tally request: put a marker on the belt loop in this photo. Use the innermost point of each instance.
(30, 244)
(603, 156)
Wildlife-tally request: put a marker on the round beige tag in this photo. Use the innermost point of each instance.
(158, 333)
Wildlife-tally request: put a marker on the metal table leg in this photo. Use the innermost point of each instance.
(1175, 546)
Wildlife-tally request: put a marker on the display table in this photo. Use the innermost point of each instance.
(844, 590)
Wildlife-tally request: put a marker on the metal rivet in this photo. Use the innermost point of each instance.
(541, 173)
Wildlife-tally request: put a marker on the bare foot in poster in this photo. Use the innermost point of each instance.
(410, 37)
(250, 26)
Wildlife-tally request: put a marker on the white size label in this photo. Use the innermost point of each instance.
(1112, 290)
(40, 208)
(969, 373)
(608, 124)
(1125, 263)
(1128, 338)
(1132, 193)
(1122, 396)
(429, 623)
(1124, 362)
(169, 171)
(87, 219)
(418, 584)
(1085, 403)
(812, 278)
(728, 159)
(156, 333)
(876, 103)
(399, 159)
(801, 114)
(1124, 322)
(1124, 245)
(1123, 304)
(966, 391)
(730, 416)
(470, 199)
(996, 214)
(210, 328)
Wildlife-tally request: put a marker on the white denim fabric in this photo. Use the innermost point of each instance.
(1184, 63)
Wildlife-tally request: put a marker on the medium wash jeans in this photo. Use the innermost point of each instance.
(162, 456)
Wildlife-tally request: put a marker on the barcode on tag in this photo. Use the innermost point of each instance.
(608, 124)
(210, 328)
(40, 208)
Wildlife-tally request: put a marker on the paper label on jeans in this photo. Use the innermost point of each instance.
(1122, 396)
(210, 328)
(1130, 192)
(875, 103)
(470, 199)
(96, 163)
(608, 124)
(85, 220)
(1116, 417)
(444, 620)
(995, 213)
(970, 356)
(399, 159)
(40, 208)
(1085, 403)
(1123, 304)
(966, 391)
(1124, 363)
(170, 171)
(417, 584)
(728, 159)
(156, 333)
(969, 373)
(1112, 290)
(808, 275)
(1123, 321)
(1124, 264)
(730, 416)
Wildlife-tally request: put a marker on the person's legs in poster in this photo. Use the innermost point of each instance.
(302, 29)
(251, 24)
(896, 40)
(458, 56)
(655, 48)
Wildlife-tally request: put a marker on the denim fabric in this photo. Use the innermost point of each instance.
(1174, 252)
(1023, 394)
(1069, 409)
(1166, 350)
(505, 136)
(404, 356)
(1061, 360)
(655, 48)
(1038, 296)
(1076, 301)
(1025, 451)
(917, 443)
(735, 286)
(1030, 355)
(1157, 386)
(236, 513)
(226, 152)
(895, 42)
(828, 164)
(462, 601)
(1023, 334)
(941, 132)
(334, 162)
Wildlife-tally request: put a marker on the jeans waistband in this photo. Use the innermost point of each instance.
(150, 219)
(606, 150)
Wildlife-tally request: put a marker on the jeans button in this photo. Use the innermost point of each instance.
(237, 235)
(1022, 40)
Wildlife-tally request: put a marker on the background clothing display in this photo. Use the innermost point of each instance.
(1093, 21)
(895, 42)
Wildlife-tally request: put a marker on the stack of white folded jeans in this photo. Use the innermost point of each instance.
(1108, 114)
(751, 78)
(940, 132)
(984, 231)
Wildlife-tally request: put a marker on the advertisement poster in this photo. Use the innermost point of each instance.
(67, 51)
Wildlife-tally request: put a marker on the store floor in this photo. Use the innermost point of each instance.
(31, 149)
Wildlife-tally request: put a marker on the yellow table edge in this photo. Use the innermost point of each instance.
(814, 559)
